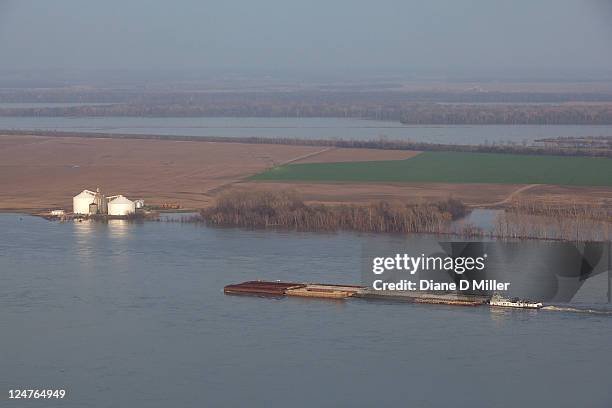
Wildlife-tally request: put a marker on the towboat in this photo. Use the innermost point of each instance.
(500, 301)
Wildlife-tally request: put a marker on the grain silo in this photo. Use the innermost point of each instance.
(80, 202)
(120, 205)
(100, 200)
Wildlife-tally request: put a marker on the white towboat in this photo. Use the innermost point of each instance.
(500, 301)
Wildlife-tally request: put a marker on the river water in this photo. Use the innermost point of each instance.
(134, 315)
(304, 128)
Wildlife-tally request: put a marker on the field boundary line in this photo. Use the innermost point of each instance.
(507, 199)
(215, 190)
(306, 156)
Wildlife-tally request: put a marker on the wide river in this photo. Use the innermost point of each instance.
(133, 315)
(303, 128)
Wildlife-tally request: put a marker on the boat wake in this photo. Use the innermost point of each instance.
(577, 310)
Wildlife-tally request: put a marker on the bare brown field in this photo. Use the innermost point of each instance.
(7, 142)
(41, 172)
(38, 172)
(601, 196)
(362, 193)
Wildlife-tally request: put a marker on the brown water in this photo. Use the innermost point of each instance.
(133, 315)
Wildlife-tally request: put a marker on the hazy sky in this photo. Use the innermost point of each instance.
(321, 36)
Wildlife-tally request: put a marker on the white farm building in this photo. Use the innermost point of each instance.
(89, 202)
(81, 202)
(119, 205)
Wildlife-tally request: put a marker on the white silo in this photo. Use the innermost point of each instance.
(80, 202)
(120, 206)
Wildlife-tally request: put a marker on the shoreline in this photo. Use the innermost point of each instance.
(284, 230)
(40, 173)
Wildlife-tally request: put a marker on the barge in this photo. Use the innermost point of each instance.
(330, 291)
(277, 289)
(437, 298)
(261, 288)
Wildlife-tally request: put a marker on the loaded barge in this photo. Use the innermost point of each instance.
(327, 291)
(278, 289)
(340, 292)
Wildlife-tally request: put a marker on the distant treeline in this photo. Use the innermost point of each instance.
(591, 142)
(266, 209)
(508, 114)
(406, 113)
(409, 107)
(324, 95)
(508, 148)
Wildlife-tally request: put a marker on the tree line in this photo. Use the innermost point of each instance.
(504, 148)
(409, 114)
(268, 209)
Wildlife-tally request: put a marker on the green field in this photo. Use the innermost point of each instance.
(456, 167)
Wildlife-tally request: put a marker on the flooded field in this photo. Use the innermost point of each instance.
(304, 128)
